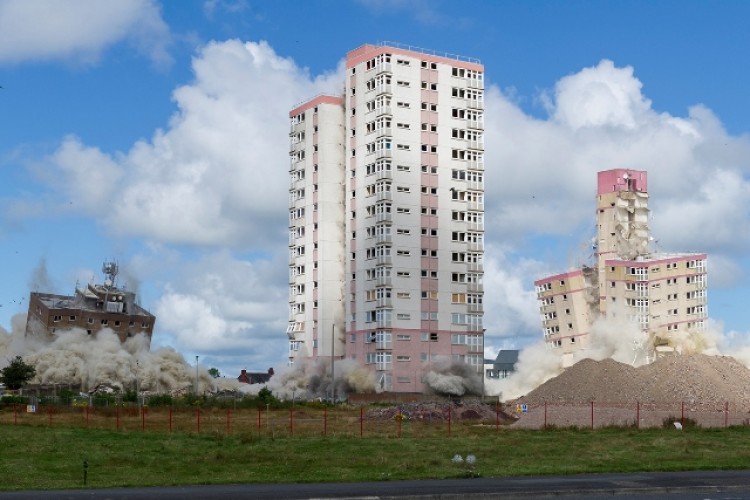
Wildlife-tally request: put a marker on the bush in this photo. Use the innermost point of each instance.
(10, 399)
(161, 400)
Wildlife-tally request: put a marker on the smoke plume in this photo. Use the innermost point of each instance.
(616, 338)
(311, 379)
(76, 358)
(40, 280)
(452, 379)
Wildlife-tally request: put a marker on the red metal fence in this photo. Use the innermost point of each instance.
(440, 420)
(636, 414)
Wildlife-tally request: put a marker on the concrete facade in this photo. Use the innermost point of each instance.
(406, 237)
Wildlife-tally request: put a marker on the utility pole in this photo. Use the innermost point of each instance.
(196, 375)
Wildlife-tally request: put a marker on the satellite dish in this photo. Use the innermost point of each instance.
(625, 176)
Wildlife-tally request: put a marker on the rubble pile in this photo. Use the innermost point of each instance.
(696, 385)
(438, 412)
(694, 378)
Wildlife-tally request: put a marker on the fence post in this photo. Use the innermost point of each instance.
(325, 420)
(545, 414)
(291, 422)
(682, 413)
(361, 421)
(259, 421)
(198, 420)
(637, 414)
(726, 414)
(143, 419)
(49, 413)
(229, 416)
(87, 416)
(497, 415)
(15, 413)
(592, 414)
(398, 417)
(117, 417)
(449, 419)
(170, 419)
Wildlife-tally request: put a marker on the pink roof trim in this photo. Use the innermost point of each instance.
(610, 181)
(366, 52)
(571, 274)
(321, 99)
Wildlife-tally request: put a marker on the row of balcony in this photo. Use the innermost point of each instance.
(387, 303)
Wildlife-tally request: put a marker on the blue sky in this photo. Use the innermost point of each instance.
(155, 134)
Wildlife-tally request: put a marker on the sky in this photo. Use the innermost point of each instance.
(156, 134)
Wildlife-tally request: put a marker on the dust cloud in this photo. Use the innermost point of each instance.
(617, 339)
(309, 379)
(447, 378)
(75, 358)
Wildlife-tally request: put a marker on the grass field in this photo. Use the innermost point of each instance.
(52, 457)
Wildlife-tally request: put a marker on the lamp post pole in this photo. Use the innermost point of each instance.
(137, 390)
(333, 378)
(196, 375)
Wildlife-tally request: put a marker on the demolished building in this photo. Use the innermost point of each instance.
(658, 293)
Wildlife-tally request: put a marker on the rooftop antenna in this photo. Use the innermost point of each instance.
(110, 270)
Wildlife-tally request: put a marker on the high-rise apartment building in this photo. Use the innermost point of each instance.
(659, 293)
(387, 216)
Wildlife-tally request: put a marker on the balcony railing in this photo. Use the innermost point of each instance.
(384, 260)
(383, 89)
(385, 303)
(384, 195)
(383, 323)
(383, 68)
(475, 103)
(383, 281)
(384, 239)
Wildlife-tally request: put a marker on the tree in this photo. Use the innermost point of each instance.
(17, 373)
(214, 372)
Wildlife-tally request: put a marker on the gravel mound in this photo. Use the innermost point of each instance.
(475, 411)
(708, 388)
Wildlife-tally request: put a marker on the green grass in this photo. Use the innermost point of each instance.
(35, 457)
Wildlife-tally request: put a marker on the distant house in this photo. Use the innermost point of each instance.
(504, 364)
(255, 377)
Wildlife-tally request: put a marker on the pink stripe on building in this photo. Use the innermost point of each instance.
(321, 99)
(366, 52)
(622, 180)
(557, 277)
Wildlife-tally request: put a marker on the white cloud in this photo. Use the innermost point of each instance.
(510, 300)
(80, 30)
(602, 96)
(218, 174)
(220, 305)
